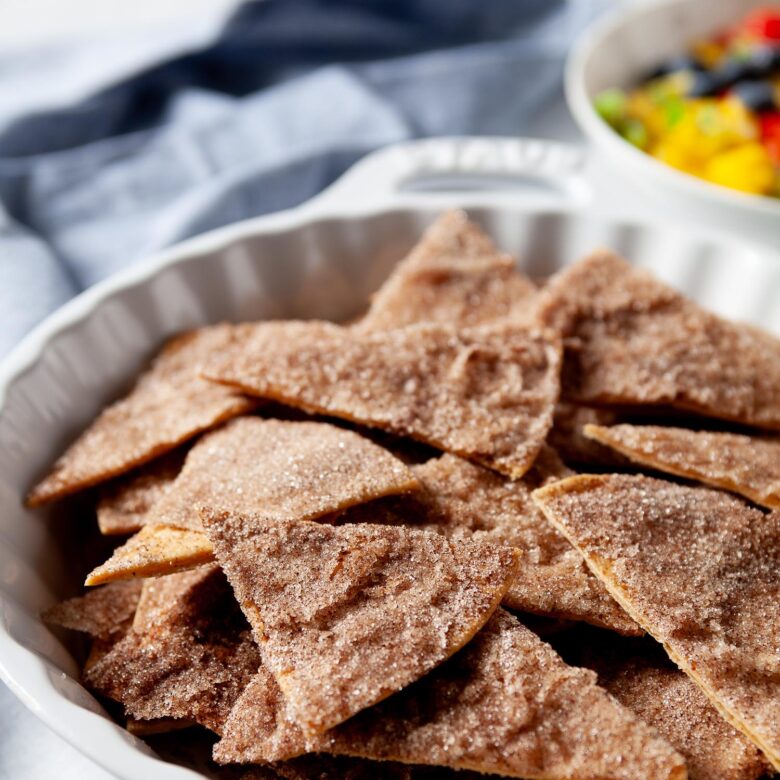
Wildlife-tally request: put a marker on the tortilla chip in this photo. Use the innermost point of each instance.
(642, 679)
(486, 394)
(153, 552)
(169, 404)
(462, 500)
(347, 615)
(455, 274)
(698, 569)
(192, 662)
(282, 470)
(124, 504)
(633, 340)
(102, 613)
(506, 703)
(748, 465)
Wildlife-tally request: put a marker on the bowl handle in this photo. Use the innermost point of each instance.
(436, 170)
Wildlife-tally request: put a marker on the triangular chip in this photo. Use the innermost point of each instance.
(169, 404)
(125, 503)
(192, 662)
(281, 470)
(348, 615)
(641, 678)
(463, 500)
(700, 571)
(486, 393)
(506, 704)
(153, 552)
(749, 465)
(633, 340)
(102, 613)
(455, 274)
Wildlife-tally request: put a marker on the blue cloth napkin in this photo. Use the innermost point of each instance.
(113, 149)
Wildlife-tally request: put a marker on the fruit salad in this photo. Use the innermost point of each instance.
(713, 112)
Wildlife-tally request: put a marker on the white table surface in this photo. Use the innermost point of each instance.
(28, 750)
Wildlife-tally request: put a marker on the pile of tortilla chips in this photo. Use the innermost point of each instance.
(421, 545)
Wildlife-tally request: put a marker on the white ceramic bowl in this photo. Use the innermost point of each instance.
(616, 52)
(320, 260)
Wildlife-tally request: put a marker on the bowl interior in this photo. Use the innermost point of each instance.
(641, 38)
(325, 268)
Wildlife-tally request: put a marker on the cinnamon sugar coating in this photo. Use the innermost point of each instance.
(152, 552)
(455, 274)
(630, 339)
(282, 470)
(485, 393)
(169, 404)
(700, 571)
(749, 465)
(462, 500)
(506, 703)
(124, 505)
(670, 702)
(191, 662)
(347, 615)
(102, 613)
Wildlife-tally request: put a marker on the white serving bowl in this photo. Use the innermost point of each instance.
(616, 52)
(320, 260)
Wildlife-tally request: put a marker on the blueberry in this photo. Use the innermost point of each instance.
(756, 95)
(676, 64)
(732, 71)
(764, 61)
(704, 83)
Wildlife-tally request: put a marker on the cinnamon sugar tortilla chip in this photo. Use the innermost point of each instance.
(152, 552)
(698, 569)
(165, 599)
(506, 703)
(463, 500)
(347, 615)
(486, 393)
(282, 470)
(749, 465)
(169, 404)
(455, 274)
(102, 613)
(642, 679)
(633, 340)
(124, 504)
(192, 662)
(100, 648)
